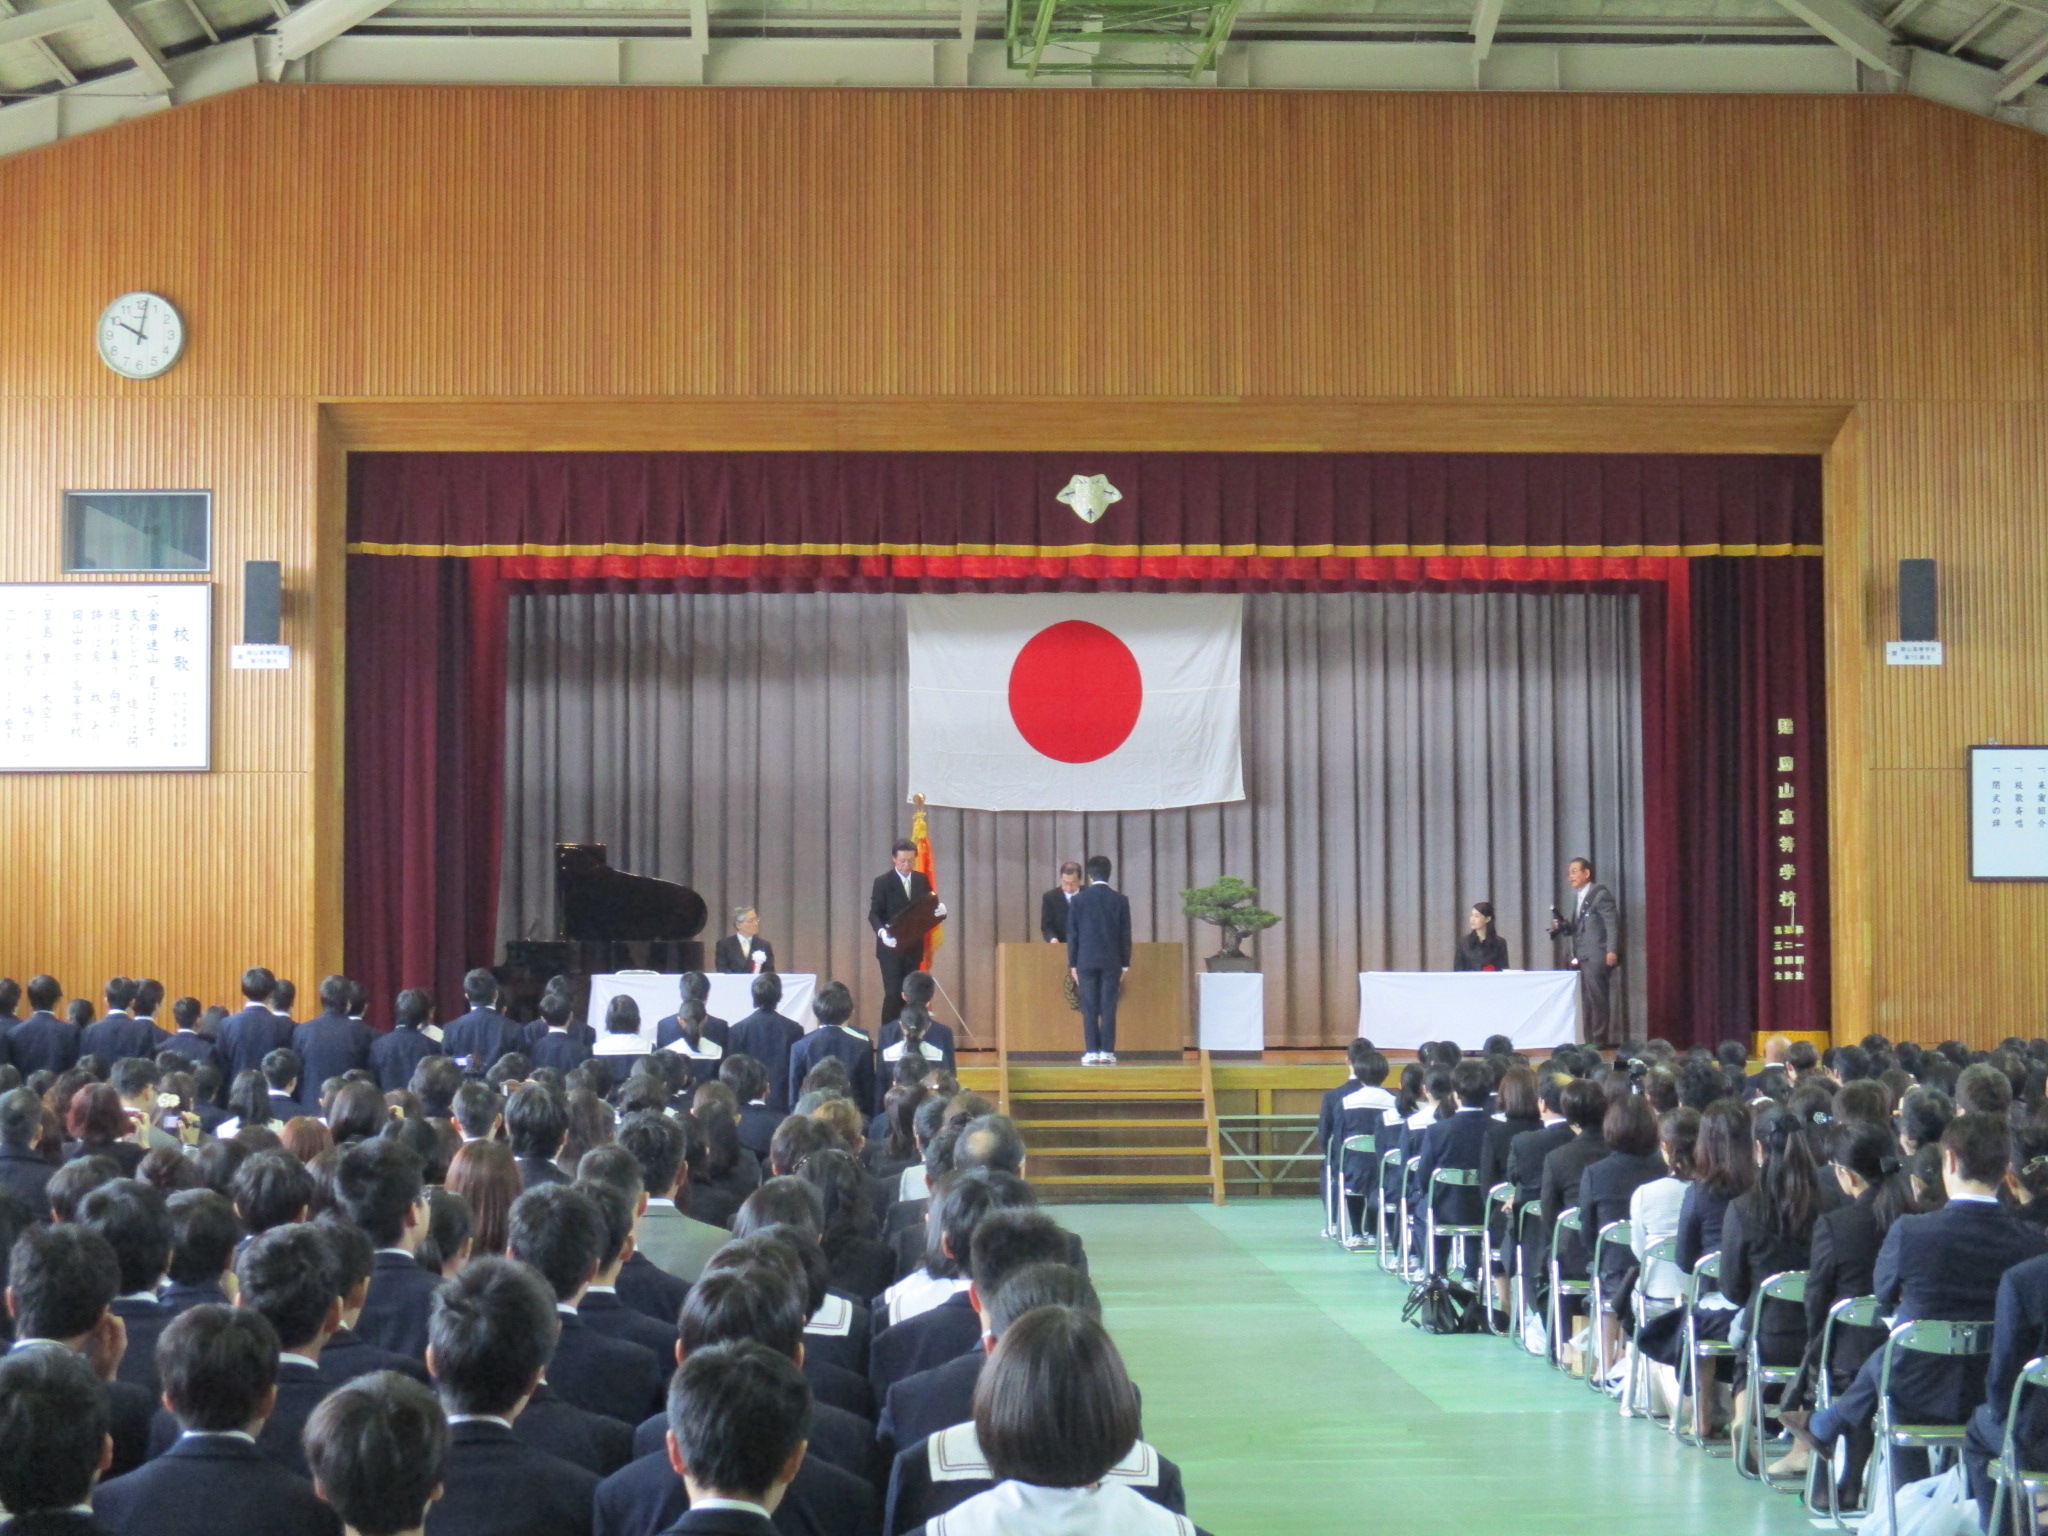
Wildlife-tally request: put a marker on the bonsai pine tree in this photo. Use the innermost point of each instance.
(1234, 907)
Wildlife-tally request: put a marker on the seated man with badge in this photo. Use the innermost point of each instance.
(744, 951)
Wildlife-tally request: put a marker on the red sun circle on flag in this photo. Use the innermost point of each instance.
(1075, 692)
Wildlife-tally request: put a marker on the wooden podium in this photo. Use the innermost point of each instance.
(1032, 1016)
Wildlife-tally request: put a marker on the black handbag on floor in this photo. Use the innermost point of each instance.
(1436, 1306)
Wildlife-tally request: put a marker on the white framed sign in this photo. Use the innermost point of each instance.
(106, 677)
(2009, 813)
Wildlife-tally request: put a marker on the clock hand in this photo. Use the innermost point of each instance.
(130, 329)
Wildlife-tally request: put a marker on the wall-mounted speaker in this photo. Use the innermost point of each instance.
(262, 601)
(1918, 606)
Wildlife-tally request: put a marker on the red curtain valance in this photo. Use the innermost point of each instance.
(866, 520)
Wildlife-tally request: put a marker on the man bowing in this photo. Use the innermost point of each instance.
(893, 893)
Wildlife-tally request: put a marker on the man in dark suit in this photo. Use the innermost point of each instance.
(1024, 1246)
(10, 1009)
(767, 1035)
(220, 1369)
(247, 1036)
(23, 1173)
(1594, 928)
(130, 1216)
(117, 1034)
(483, 1034)
(331, 1045)
(1948, 1265)
(282, 1000)
(744, 950)
(379, 1448)
(835, 1037)
(558, 1230)
(185, 1038)
(893, 892)
(60, 1289)
(395, 1056)
(42, 1042)
(379, 1186)
(53, 1432)
(2021, 1334)
(1053, 905)
(491, 1334)
(1098, 954)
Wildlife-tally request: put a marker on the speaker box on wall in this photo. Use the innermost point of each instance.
(262, 601)
(1917, 602)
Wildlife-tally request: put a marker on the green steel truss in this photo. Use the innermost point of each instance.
(1181, 36)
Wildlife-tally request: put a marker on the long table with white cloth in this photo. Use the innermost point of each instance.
(732, 999)
(1400, 1010)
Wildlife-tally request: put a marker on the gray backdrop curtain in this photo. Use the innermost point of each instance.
(1406, 754)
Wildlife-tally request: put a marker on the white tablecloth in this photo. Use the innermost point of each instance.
(1399, 1010)
(732, 999)
(1233, 1010)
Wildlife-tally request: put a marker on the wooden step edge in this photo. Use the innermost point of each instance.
(1135, 1180)
(1040, 1154)
(1115, 1123)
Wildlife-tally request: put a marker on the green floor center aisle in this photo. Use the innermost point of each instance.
(1278, 1374)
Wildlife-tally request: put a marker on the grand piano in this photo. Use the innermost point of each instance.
(608, 920)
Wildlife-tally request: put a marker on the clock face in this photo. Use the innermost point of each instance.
(140, 335)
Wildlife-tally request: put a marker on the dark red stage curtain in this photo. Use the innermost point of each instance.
(1747, 805)
(426, 768)
(1731, 645)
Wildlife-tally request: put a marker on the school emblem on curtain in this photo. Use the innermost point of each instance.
(1090, 496)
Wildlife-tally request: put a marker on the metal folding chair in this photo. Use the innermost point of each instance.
(1533, 1211)
(1599, 1305)
(1560, 1288)
(1459, 1233)
(1365, 1146)
(2014, 1487)
(1333, 1187)
(1697, 1349)
(1928, 1336)
(1390, 1161)
(1408, 1270)
(1500, 1198)
(1788, 1286)
(1649, 1308)
(1849, 1312)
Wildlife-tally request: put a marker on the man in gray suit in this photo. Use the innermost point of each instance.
(1594, 928)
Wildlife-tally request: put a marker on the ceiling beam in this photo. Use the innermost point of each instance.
(61, 17)
(319, 22)
(1485, 22)
(1849, 27)
(59, 70)
(2023, 69)
(145, 53)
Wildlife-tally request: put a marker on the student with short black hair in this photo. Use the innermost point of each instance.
(271, 1189)
(601, 1307)
(204, 1232)
(377, 1448)
(42, 1042)
(24, 1172)
(219, 1369)
(482, 1036)
(347, 1354)
(61, 1283)
(669, 1238)
(78, 1178)
(947, 1327)
(55, 1441)
(536, 1124)
(739, 1419)
(130, 1215)
(558, 1230)
(380, 1186)
(1055, 1432)
(282, 1070)
(492, 1333)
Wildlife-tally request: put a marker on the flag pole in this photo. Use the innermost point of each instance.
(920, 834)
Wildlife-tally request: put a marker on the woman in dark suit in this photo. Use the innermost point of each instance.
(1479, 947)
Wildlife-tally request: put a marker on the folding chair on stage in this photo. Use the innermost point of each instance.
(2016, 1490)
(1789, 1287)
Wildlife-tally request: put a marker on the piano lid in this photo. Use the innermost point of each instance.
(595, 901)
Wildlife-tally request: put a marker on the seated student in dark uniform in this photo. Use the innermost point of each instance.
(61, 1283)
(796, 1251)
(347, 1354)
(219, 1367)
(762, 1302)
(1006, 1243)
(1355, 1107)
(601, 1306)
(836, 1036)
(204, 1233)
(748, 1081)
(1455, 1142)
(130, 1216)
(1054, 1445)
(767, 1035)
(54, 1442)
(380, 1186)
(691, 1032)
(557, 1046)
(489, 1339)
(739, 1416)
(377, 1448)
(1946, 1264)
(913, 1044)
(536, 1125)
(1585, 1109)
(558, 1230)
(935, 1336)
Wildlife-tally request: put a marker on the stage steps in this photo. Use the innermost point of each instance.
(1146, 1131)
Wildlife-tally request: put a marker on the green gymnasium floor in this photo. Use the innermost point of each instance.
(1277, 1372)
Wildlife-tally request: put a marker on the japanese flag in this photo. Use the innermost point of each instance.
(1056, 702)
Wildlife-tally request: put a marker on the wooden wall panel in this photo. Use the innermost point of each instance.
(708, 268)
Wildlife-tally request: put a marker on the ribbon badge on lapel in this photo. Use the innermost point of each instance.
(1090, 496)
